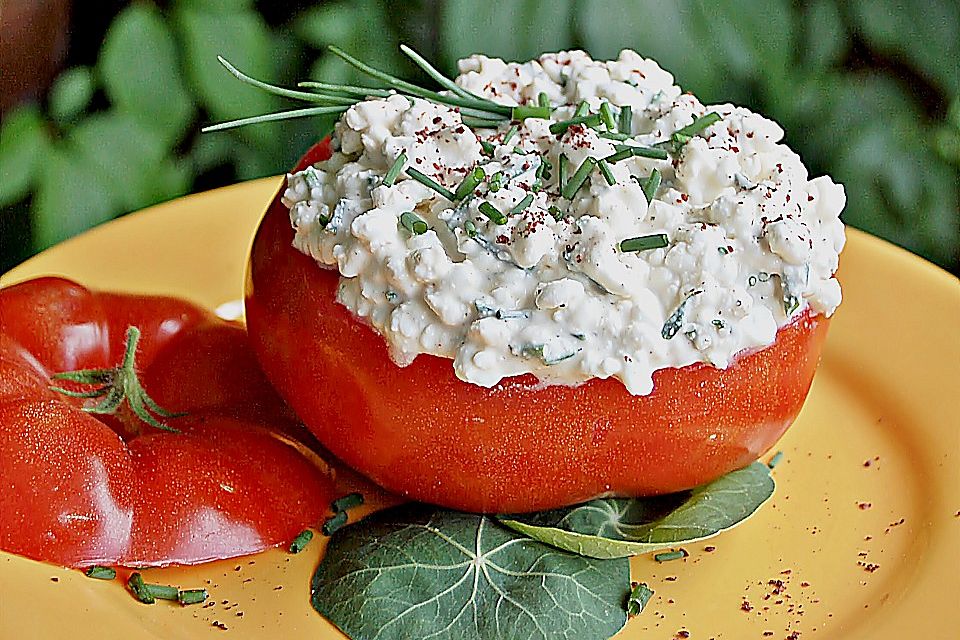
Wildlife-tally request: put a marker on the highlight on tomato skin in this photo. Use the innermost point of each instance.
(422, 433)
(82, 489)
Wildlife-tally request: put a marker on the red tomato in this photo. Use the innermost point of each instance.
(421, 432)
(80, 489)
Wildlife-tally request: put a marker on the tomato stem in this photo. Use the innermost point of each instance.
(116, 385)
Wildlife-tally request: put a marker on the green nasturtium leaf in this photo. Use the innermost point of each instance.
(621, 527)
(417, 571)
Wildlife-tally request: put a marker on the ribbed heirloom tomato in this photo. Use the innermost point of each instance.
(80, 488)
(421, 432)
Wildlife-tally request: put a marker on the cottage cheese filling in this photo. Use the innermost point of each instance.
(752, 242)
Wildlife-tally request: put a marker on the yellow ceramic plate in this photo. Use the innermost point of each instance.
(862, 539)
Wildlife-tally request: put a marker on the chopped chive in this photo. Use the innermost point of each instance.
(469, 183)
(496, 182)
(430, 182)
(470, 228)
(494, 214)
(139, 589)
(639, 597)
(560, 127)
(555, 211)
(623, 154)
(394, 171)
(643, 152)
(606, 113)
(543, 100)
(582, 109)
(698, 125)
(613, 135)
(626, 120)
(667, 556)
(606, 172)
(413, 223)
(544, 168)
(529, 111)
(350, 500)
(162, 591)
(651, 184)
(192, 596)
(522, 205)
(100, 573)
(562, 171)
(644, 243)
(775, 460)
(578, 178)
(331, 525)
(476, 122)
(488, 147)
(512, 131)
(301, 541)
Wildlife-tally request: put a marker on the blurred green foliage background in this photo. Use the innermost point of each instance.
(867, 90)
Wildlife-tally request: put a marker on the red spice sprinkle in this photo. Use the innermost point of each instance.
(683, 633)
(684, 197)
(809, 198)
(864, 505)
(795, 635)
(778, 586)
(749, 134)
(712, 548)
(767, 633)
(746, 606)
(671, 578)
(804, 584)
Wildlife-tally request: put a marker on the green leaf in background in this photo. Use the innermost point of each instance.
(924, 33)
(825, 40)
(71, 93)
(867, 132)
(947, 136)
(131, 157)
(607, 26)
(364, 31)
(417, 571)
(24, 142)
(621, 527)
(71, 197)
(140, 69)
(244, 39)
(511, 29)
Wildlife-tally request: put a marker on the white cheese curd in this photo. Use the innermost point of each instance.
(547, 288)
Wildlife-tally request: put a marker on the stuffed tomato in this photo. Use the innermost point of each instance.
(626, 293)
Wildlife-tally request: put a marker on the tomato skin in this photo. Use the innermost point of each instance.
(79, 489)
(421, 432)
